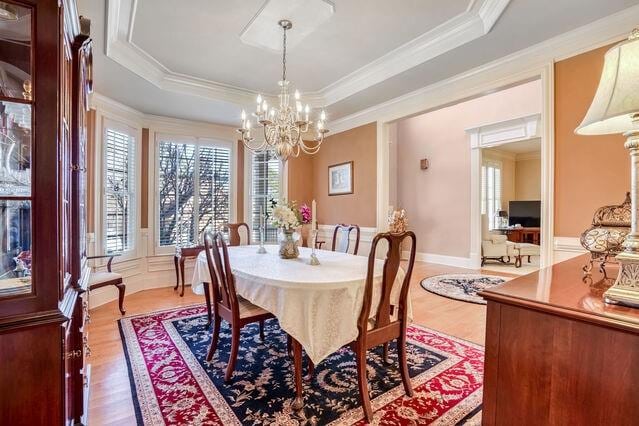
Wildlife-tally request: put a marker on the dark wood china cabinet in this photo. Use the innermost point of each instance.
(45, 79)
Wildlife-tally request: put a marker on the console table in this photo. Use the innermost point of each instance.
(180, 256)
(556, 354)
(522, 235)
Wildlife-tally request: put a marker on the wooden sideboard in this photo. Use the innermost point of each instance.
(522, 235)
(556, 354)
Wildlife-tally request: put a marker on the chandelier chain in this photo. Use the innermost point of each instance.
(284, 58)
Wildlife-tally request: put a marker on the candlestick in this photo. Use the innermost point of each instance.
(313, 215)
(261, 249)
(314, 260)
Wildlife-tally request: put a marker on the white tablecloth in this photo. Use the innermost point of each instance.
(317, 305)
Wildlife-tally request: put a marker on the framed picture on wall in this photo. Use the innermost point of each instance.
(340, 178)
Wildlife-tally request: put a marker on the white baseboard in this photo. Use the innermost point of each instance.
(565, 248)
(440, 259)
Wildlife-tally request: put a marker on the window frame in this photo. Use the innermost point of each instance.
(197, 141)
(134, 134)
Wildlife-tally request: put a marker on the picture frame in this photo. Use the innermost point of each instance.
(340, 178)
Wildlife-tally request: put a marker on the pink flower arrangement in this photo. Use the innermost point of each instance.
(305, 213)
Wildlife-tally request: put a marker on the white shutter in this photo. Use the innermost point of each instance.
(265, 186)
(119, 190)
(194, 190)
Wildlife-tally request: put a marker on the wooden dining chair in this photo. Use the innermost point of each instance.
(235, 238)
(227, 305)
(389, 322)
(344, 232)
(106, 278)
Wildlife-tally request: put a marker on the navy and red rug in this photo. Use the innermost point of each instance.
(173, 384)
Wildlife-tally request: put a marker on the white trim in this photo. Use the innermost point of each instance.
(475, 22)
(440, 259)
(569, 244)
(325, 233)
(566, 248)
(507, 131)
(515, 67)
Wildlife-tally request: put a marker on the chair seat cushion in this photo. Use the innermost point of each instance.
(247, 309)
(103, 277)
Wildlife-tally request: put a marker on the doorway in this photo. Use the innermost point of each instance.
(510, 188)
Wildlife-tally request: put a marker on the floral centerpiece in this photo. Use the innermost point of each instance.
(286, 217)
(305, 214)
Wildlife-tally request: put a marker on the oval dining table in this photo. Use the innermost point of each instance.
(317, 305)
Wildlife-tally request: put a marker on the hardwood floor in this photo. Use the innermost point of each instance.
(110, 393)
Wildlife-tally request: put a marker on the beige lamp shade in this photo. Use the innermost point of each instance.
(617, 97)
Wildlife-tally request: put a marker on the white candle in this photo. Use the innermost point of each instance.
(313, 216)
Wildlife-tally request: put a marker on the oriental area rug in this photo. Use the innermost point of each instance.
(173, 384)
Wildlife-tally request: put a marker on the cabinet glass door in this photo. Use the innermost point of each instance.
(16, 107)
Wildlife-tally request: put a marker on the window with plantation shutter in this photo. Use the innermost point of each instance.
(194, 189)
(266, 185)
(491, 190)
(119, 189)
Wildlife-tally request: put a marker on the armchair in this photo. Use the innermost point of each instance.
(495, 246)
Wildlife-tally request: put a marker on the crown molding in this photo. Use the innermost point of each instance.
(519, 66)
(476, 21)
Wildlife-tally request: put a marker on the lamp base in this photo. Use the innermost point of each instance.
(625, 290)
(314, 260)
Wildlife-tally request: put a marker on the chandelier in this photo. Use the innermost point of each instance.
(283, 126)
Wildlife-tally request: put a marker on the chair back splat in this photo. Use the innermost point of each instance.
(235, 238)
(344, 233)
(222, 280)
(385, 310)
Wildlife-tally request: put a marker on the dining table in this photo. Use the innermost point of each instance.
(317, 305)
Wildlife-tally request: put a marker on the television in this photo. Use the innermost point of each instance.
(524, 213)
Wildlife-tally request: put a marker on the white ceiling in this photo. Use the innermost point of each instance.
(188, 61)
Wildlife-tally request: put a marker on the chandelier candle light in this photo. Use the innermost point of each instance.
(283, 126)
(615, 109)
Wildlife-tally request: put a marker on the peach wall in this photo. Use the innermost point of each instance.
(360, 146)
(590, 171)
(437, 201)
(300, 179)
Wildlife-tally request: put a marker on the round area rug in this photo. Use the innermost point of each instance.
(461, 286)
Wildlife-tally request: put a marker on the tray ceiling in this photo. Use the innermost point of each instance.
(197, 48)
(392, 51)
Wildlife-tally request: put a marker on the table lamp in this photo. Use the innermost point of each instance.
(615, 109)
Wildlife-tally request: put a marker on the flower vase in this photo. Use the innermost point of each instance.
(288, 245)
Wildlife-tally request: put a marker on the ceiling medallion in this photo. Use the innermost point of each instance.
(284, 126)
